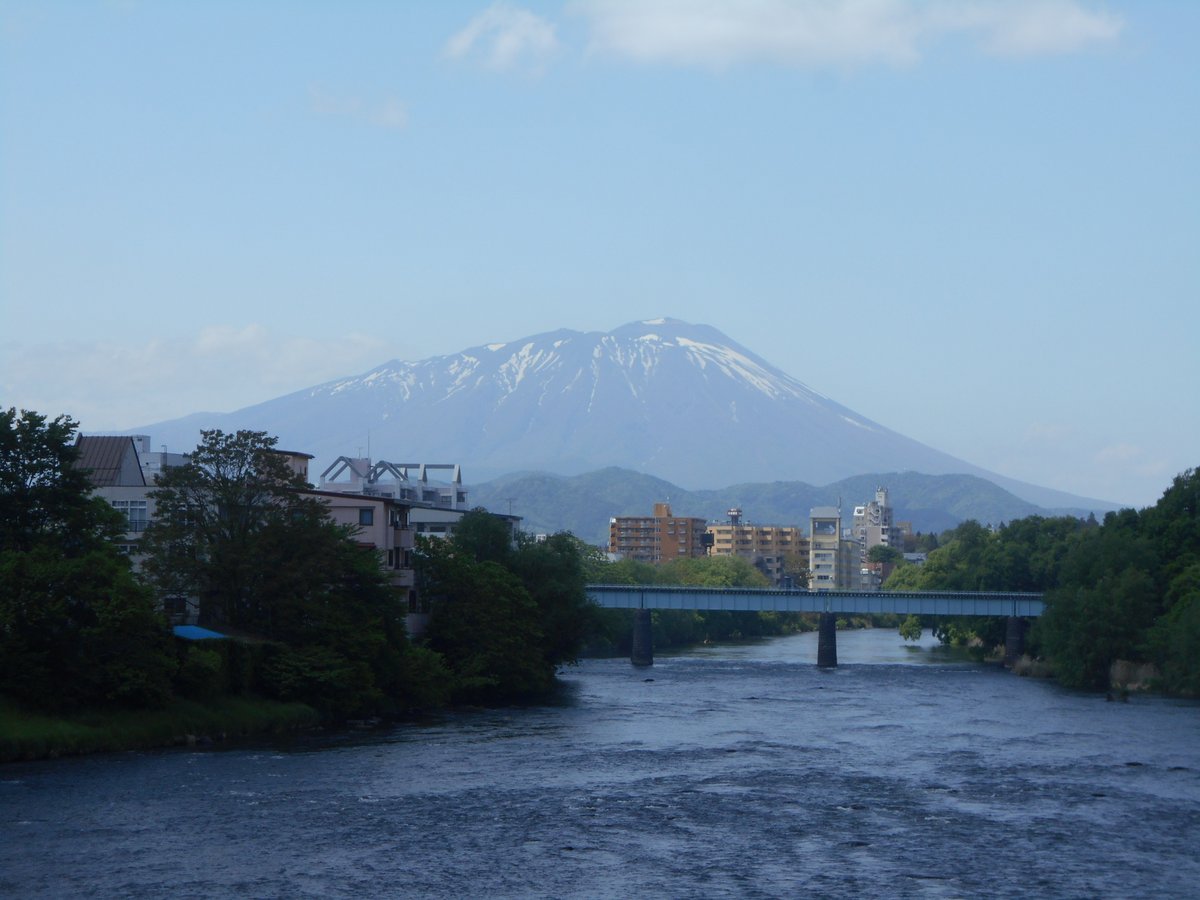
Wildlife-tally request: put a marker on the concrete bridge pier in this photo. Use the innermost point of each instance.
(1014, 640)
(643, 639)
(827, 641)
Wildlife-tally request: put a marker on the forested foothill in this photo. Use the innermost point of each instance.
(1127, 588)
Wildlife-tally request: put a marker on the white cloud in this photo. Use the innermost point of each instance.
(111, 386)
(389, 112)
(506, 38)
(839, 33)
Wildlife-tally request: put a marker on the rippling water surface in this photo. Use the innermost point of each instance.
(725, 772)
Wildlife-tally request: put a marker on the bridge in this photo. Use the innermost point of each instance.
(1016, 607)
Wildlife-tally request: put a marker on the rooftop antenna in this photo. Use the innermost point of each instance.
(510, 503)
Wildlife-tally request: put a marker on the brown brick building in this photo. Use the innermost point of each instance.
(661, 537)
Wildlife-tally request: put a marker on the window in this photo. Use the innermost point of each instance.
(136, 516)
(366, 516)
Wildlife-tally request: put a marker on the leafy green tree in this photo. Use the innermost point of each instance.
(910, 628)
(881, 553)
(1174, 639)
(233, 528)
(485, 537)
(554, 573)
(1085, 629)
(45, 498)
(712, 571)
(483, 623)
(209, 516)
(75, 627)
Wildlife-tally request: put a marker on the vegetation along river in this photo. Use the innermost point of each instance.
(733, 771)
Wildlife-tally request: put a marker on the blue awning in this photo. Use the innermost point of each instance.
(196, 633)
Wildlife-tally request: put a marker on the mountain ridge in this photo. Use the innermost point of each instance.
(664, 397)
(583, 504)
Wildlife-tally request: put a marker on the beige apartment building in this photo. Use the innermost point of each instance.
(659, 538)
(833, 560)
(774, 549)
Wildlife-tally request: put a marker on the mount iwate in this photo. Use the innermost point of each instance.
(679, 401)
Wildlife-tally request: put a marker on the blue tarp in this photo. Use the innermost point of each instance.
(196, 633)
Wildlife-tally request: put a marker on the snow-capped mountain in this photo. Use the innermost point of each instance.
(676, 400)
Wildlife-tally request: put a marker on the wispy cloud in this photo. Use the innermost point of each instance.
(1132, 458)
(837, 33)
(107, 385)
(388, 112)
(507, 39)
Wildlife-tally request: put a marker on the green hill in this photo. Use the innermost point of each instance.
(583, 504)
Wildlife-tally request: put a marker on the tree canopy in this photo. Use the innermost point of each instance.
(505, 612)
(75, 627)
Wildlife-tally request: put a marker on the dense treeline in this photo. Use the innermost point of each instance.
(503, 616)
(76, 627)
(314, 617)
(1124, 589)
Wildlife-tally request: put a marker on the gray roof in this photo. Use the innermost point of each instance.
(105, 459)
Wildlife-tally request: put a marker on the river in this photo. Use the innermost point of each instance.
(732, 771)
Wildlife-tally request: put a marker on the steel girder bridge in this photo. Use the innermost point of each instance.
(1015, 606)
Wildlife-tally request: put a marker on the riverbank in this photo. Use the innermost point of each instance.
(28, 736)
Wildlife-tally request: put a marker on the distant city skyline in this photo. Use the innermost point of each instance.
(975, 224)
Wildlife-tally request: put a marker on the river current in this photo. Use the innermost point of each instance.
(732, 771)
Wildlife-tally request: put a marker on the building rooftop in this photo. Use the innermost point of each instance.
(104, 457)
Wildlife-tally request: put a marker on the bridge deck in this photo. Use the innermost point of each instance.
(922, 603)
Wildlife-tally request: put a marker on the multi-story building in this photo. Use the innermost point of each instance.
(115, 471)
(434, 507)
(661, 537)
(873, 527)
(773, 549)
(383, 525)
(425, 507)
(832, 558)
(381, 521)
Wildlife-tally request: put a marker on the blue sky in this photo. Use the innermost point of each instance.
(977, 223)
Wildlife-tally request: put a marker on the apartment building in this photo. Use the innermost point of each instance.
(383, 523)
(873, 526)
(773, 549)
(659, 538)
(833, 561)
(434, 506)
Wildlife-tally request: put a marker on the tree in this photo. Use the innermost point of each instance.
(910, 628)
(210, 514)
(553, 571)
(484, 537)
(483, 623)
(75, 628)
(233, 528)
(44, 497)
(881, 553)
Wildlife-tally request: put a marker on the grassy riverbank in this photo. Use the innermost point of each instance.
(25, 735)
